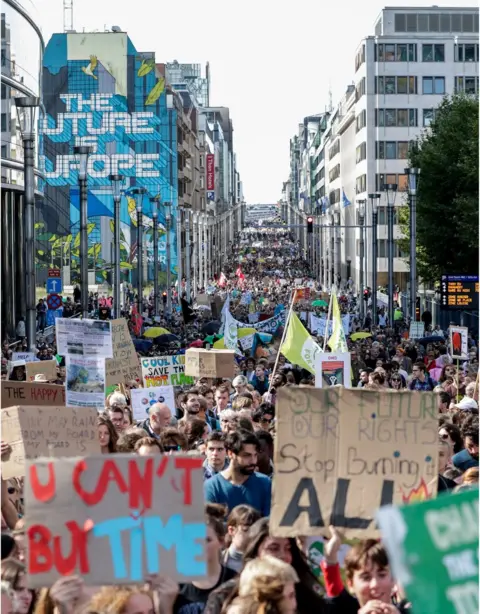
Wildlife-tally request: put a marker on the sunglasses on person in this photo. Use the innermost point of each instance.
(172, 448)
(11, 490)
(396, 379)
(444, 436)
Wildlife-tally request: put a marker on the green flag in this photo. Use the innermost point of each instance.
(298, 346)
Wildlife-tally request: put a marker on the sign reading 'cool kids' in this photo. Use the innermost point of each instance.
(96, 121)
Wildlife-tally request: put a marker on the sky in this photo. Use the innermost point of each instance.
(271, 63)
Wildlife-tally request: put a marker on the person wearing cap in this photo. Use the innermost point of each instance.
(40, 377)
(467, 404)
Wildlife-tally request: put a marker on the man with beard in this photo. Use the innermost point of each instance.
(469, 457)
(239, 484)
(191, 406)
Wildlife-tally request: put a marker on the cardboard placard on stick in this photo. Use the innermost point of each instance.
(33, 432)
(41, 367)
(341, 454)
(120, 517)
(165, 371)
(31, 393)
(209, 363)
(124, 366)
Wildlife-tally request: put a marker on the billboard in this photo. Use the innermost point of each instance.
(101, 92)
(210, 172)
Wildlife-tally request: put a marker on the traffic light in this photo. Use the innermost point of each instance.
(417, 309)
(309, 225)
(164, 298)
(366, 294)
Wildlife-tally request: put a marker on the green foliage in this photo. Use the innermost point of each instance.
(447, 194)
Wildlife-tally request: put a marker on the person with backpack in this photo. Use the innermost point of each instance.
(421, 381)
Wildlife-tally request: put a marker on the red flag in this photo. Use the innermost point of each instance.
(222, 282)
(238, 272)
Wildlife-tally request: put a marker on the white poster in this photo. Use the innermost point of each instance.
(84, 338)
(318, 324)
(458, 336)
(85, 385)
(144, 398)
(25, 356)
(333, 370)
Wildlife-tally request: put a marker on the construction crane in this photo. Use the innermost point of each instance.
(67, 15)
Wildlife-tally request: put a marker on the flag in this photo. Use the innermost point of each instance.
(337, 341)
(187, 311)
(299, 347)
(222, 282)
(238, 272)
(345, 200)
(230, 332)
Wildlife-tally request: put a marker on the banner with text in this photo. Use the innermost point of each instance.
(165, 371)
(125, 365)
(31, 393)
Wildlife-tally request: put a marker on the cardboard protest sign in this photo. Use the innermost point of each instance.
(144, 398)
(33, 432)
(458, 336)
(124, 366)
(209, 363)
(165, 371)
(433, 551)
(42, 367)
(333, 369)
(30, 393)
(340, 454)
(120, 517)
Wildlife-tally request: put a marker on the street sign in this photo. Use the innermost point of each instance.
(53, 314)
(210, 196)
(54, 301)
(54, 285)
(459, 292)
(54, 272)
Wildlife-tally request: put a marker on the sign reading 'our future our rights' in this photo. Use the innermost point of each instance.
(115, 519)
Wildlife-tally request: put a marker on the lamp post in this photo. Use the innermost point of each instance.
(349, 268)
(374, 198)
(179, 251)
(117, 181)
(187, 253)
(412, 174)
(361, 220)
(338, 251)
(82, 152)
(156, 302)
(391, 194)
(168, 222)
(26, 111)
(138, 194)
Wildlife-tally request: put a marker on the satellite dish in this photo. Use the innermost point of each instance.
(116, 29)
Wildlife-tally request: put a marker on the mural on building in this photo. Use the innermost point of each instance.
(99, 91)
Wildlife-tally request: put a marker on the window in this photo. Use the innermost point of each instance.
(402, 150)
(400, 118)
(361, 120)
(433, 85)
(391, 150)
(428, 116)
(334, 173)
(396, 85)
(4, 123)
(468, 85)
(360, 89)
(334, 149)
(466, 53)
(402, 52)
(334, 196)
(360, 58)
(382, 180)
(433, 53)
(202, 161)
(361, 152)
(4, 151)
(361, 184)
(436, 22)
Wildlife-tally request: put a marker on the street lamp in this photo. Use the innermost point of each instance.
(374, 198)
(26, 111)
(168, 220)
(156, 303)
(412, 174)
(82, 152)
(338, 252)
(361, 220)
(138, 194)
(391, 194)
(116, 181)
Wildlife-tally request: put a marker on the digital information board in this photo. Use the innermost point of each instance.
(459, 292)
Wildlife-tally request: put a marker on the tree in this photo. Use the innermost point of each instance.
(447, 194)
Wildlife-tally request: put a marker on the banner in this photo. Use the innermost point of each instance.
(144, 398)
(433, 552)
(125, 365)
(119, 517)
(47, 431)
(341, 454)
(210, 165)
(85, 382)
(165, 371)
(31, 393)
(333, 369)
(458, 336)
(318, 324)
(83, 337)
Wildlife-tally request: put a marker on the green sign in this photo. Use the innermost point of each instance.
(433, 551)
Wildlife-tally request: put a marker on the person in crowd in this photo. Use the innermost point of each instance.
(239, 521)
(260, 379)
(468, 457)
(216, 455)
(240, 384)
(265, 453)
(195, 430)
(421, 380)
(148, 446)
(159, 417)
(451, 434)
(107, 435)
(14, 573)
(127, 440)
(173, 440)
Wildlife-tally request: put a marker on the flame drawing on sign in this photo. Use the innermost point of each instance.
(416, 494)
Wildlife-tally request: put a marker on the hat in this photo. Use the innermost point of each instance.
(467, 404)
(40, 377)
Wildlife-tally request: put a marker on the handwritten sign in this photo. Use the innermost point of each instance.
(209, 363)
(433, 550)
(144, 398)
(165, 371)
(31, 393)
(341, 454)
(26, 356)
(119, 517)
(124, 366)
(42, 367)
(33, 432)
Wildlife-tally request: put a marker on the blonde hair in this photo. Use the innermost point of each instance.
(114, 599)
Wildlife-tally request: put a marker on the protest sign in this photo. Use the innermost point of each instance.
(318, 324)
(83, 337)
(119, 517)
(333, 369)
(25, 356)
(124, 366)
(31, 393)
(165, 371)
(33, 432)
(458, 336)
(417, 330)
(85, 381)
(340, 454)
(209, 363)
(41, 367)
(433, 551)
(144, 398)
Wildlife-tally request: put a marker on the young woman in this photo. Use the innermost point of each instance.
(122, 600)
(239, 521)
(14, 573)
(107, 435)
